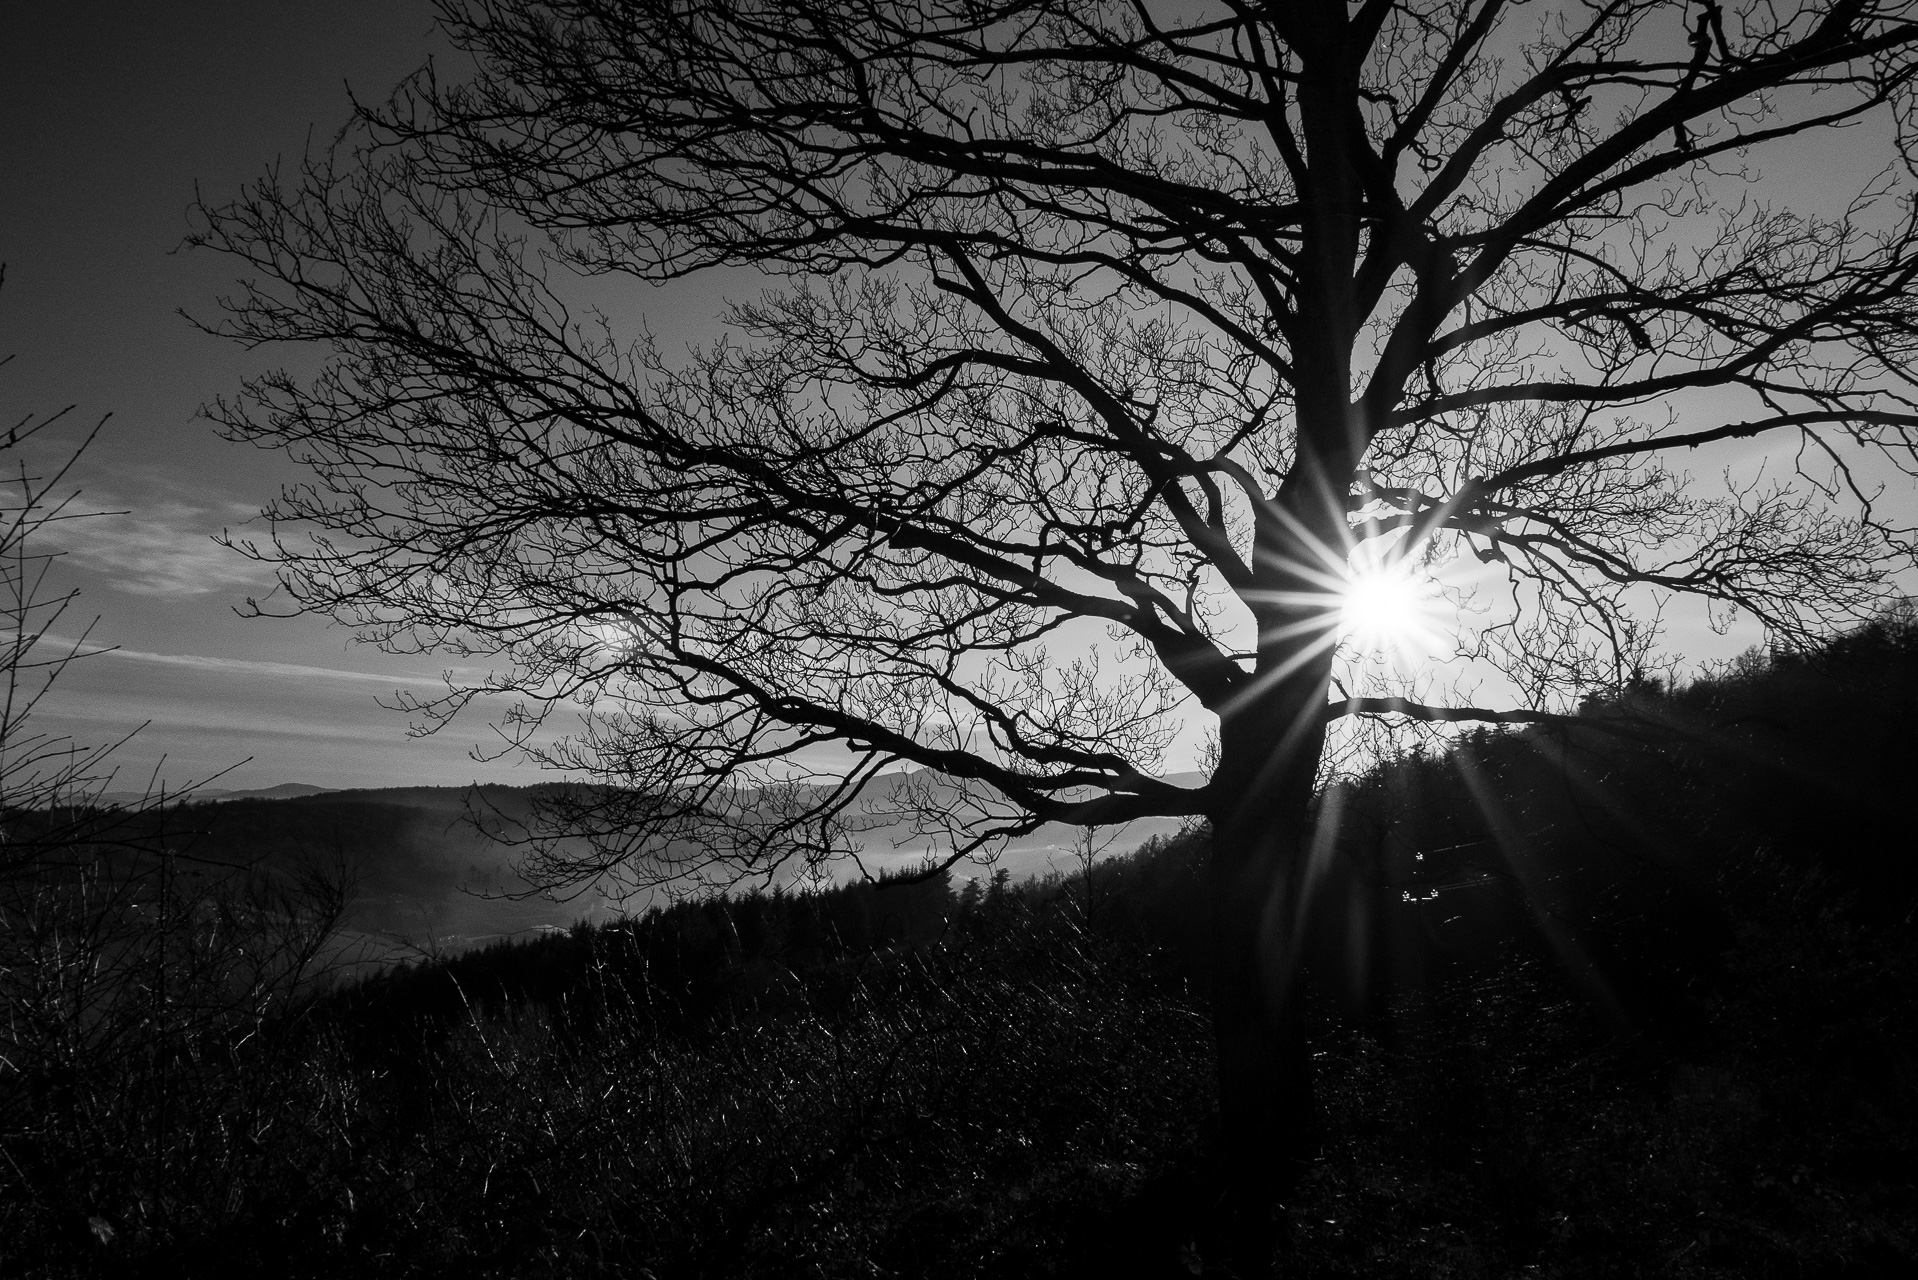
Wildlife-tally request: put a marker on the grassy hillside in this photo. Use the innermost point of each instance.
(1635, 999)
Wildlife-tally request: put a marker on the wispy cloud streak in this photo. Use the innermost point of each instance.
(155, 536)
(242, 666)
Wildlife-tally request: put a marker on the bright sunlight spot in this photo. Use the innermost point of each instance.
(1386, 607)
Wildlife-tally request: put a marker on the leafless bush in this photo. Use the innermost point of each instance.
(147, 998)
(941, 1095)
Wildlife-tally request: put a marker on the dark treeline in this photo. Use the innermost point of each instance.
(723, 956)
(1623, 999)
(392, 841)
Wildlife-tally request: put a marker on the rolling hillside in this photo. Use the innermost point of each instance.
(428, 880)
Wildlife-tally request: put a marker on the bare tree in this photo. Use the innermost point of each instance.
(1087, 844)
(1106, 339)
(39, 771)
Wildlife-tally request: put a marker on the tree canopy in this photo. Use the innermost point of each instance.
(1144, 318)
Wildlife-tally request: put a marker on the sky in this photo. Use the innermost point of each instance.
(115, 115)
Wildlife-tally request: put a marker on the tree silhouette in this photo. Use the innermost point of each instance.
(1107, 339)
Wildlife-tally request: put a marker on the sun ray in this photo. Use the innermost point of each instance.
(1263, 681)
(1515, 849)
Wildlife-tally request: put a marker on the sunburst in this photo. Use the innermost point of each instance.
(1388, 607)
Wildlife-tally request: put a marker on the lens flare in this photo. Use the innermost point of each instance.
(1385, 607)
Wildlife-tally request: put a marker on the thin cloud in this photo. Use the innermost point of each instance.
(233, 722)
(242, 666)
(162, 547)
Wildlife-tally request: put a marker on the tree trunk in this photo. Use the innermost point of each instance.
(1268, 1113)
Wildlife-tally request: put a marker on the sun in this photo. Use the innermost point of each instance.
(1385, 606)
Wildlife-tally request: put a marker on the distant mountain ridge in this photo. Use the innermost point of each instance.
(429, 881)
(215, 795)
(285, 791)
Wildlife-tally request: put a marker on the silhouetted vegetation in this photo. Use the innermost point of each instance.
(147, 998)
(1584, 1003)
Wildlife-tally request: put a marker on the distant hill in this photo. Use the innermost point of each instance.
(430, 881)
(285, 791)
(214, 795)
